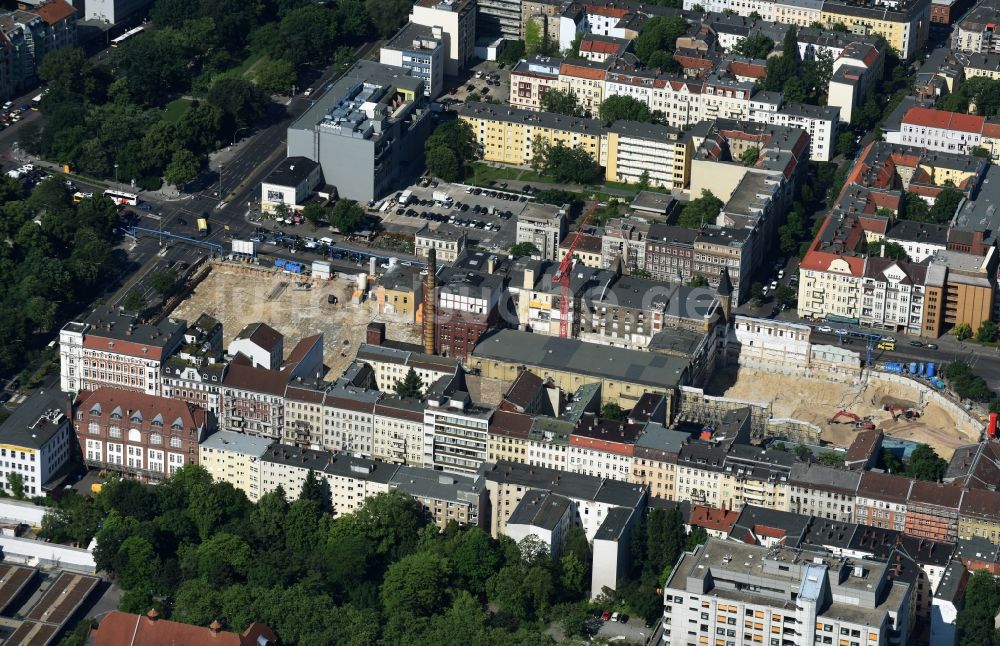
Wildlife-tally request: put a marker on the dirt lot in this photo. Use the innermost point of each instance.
(817, 401)
(237, 299)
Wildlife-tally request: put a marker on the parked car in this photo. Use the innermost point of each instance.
(931, 346)
(614, 616)
(606, 615)
(916, 344)
(826, 329)
(623, 618)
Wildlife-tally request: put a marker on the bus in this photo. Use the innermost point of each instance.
(115, 42)
(35, 102)
(122, 198)
(203, 227)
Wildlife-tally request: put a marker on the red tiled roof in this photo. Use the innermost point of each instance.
(125, 629)
(600, 46)
(720, 520)
(770, 532)
(580, 71)
(749, 70)
(991, 129)
(54, 11)
(943, 119)
(606, 10)
(190, 416)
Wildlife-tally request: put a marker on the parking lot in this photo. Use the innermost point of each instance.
(487, 80)
(489, 216)
(631, 632)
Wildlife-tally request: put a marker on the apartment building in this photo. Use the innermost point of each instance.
(654, 462)
(234, 458)
(107, 348)
(467, 307)
(347, 481)
(585, 80)
(542, 227)
(391, 364)
(138, 435)
(447, 241)
(445, 498)
(399, 294)
(253, 399)
(195, 372)
(752, 594)
(975, 33)
(985, 64)
(261, 344)
(823, 492)
(592, 498)
(348, 423)
(920, 240)
(456, 433)
(657, 153)
(508, 135)
(881, 500)
(932, 511)
(669, 252)
(892, 295)
(960, 288)
(939, 130)
(530, 79)
(398, 430)
(588, 251)
(36, 441)
(421, 50)
(457, 21)
(905, 26)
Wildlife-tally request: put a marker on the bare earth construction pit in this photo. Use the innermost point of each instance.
(237, 298)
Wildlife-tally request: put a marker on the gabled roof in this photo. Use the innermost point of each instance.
(261, 334)
(930, 118)
(125, 629)
(54, 11)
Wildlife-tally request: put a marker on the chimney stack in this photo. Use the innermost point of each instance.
(430, 303)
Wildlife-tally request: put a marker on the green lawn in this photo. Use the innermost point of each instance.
(176, 109)
(483, 174)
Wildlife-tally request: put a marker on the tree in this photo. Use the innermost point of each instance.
(613, 411)
(565, 164)
(388, 15)
(755, 46)
(533, 38)
(561, 102)
(15, 482)
(409, 386)
(643, 183)
(449, 150)
(915, 208)
(134, 302)
(245, 103)
(698, 281)
(893, 250)
(785, 295)
(945, 205)
(312, 489)
(184, 166)
(980, 152)
(975, 621)
(416, 585)
(750, 156)
(658, 39)
(522, 249)
(925, 464)
(622, 107)
(163, 282)
(831, 458)
(986, 332)
(700, 211)
(963, 331)
(513, 51)
(346, 216)
(314, 214)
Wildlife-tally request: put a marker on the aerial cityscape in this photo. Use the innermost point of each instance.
(500, 322)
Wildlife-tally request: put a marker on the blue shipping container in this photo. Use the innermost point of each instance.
(931, 372)
(278, 262)
(913, 367)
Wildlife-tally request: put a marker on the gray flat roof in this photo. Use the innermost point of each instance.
(614, 525)
(292, 171)
(540, 509)
(36, 420)
(237, 442)
(544, 119)
(657, 437)
(571, 355)
(428, 483)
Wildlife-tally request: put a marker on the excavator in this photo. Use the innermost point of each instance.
(896, 410)
(859, 422)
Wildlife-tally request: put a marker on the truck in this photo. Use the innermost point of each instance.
(442, 197)
(404, 199)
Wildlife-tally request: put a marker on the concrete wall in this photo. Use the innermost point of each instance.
(32, 552)
(695, 403)
(965, 421)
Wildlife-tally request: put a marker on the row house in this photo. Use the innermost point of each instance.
(940, 130)
(398, 430)
(108, 348)
(857, 69)
(602, 448)
(138, 435)
(234, 458)
(530, 79)
(932, 511)
(881, 500)
(892, 295)
(592, 498)
(392, 364)
(332, 417)
(253, 399)
(28, 35)
(456, 433)
(823, 492)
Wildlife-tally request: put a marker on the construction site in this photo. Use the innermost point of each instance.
(296, 306)
(841, 410)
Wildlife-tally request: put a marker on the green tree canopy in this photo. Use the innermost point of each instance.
(700, 211)
(561, 102)
(623, 107)
(450, 150)
(753, 46)
(522, 249)
(409, 386)
(346, 216)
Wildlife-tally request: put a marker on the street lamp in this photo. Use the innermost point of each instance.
(238, 132)
(220, 181)
(116, 172)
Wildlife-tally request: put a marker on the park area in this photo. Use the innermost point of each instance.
(817, 401)
(236, 296)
